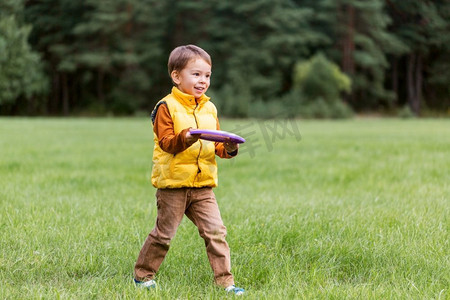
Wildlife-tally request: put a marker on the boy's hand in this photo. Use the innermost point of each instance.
(191, 138)
(230, 146)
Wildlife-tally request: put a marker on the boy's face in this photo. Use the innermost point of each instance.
(194, 79)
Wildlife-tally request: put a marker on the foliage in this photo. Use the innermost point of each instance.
(294, 105)
(260, 52)
(102, 51)
(317, 87)
(21, 73)
(322, 109)
(112, 55)
(424, 27)
(230, 103)
(406, 112)
(319, 84)
(319, 77)
(360, 29)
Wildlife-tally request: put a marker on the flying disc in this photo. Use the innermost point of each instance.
(218, 135)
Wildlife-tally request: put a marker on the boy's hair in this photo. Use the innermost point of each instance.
(180, 57)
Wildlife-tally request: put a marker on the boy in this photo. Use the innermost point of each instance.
(184, 169)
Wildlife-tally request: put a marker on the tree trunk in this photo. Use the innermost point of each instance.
(74, 92)
(410, 81)
(100, 92)
(54, 100)
(395, 79)
(414, 82)
(65, 95)
(129, 23)
(347, 42)
(348, 62)
(31, 107)
(419, 80)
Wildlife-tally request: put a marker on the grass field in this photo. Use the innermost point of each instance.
(355, 209)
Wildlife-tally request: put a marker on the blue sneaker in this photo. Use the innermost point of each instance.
(233, 289)
(150, 284)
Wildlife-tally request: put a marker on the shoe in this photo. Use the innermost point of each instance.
(150, 284)
(233, 289)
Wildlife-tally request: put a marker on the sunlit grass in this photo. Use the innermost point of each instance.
(354, 209)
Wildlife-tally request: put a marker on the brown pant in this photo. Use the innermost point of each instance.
(200, 206)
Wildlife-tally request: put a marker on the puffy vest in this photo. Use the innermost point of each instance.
(196, 166)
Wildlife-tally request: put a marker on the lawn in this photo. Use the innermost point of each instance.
(356, 209)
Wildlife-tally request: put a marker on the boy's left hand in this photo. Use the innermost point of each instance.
(230, 146)
(191, 138)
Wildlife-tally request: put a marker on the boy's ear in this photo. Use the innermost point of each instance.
(175, 77)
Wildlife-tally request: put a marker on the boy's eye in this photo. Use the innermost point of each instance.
(196, 74)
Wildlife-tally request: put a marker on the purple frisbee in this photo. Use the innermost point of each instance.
(218, 135)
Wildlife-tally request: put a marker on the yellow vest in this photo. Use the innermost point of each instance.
(196, 166)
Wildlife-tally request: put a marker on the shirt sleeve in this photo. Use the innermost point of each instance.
(220, 149)
(168, 140)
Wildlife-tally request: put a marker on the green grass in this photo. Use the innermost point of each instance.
(354, 210)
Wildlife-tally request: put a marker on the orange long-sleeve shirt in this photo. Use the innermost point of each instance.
(172, 142)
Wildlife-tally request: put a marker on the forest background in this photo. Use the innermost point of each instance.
(271, 58)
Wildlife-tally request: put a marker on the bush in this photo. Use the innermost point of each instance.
(266, 110)
(294, 105)
(130, 92)
(21, 69)
(406, 112)
(320, 78)
(325, 110)
(231, 103)
(287, 106)
(341, 110)
(319, 83)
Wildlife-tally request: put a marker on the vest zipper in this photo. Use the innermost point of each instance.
(201, 145)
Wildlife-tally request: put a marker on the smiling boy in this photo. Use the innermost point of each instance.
(185, 170)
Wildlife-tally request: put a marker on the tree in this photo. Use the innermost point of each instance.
(111, 55)
(21, 74)
(53, 22)
(99, 53)
(118, 41)
(438, 70)
(423, 26)
(258, 43)
(362, 47)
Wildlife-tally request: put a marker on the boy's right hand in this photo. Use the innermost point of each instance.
(191, 138)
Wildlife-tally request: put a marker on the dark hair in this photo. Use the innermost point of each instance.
(180, 57)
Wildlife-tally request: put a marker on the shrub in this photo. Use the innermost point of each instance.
(406, 112)
(319, 77)
(231, 103)
(21, 69)
(294, 105)
(319, 84)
